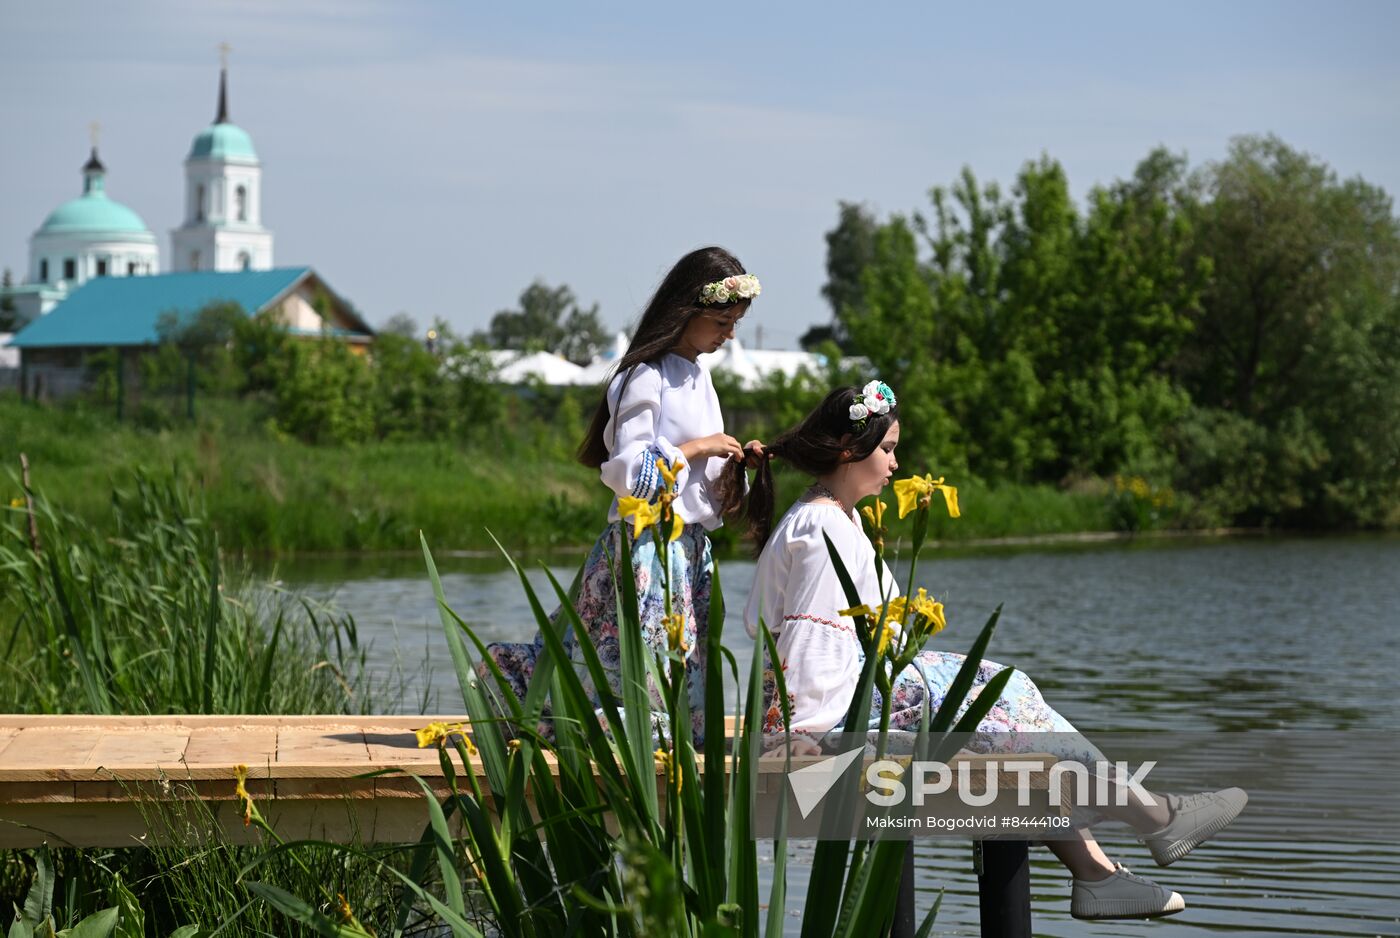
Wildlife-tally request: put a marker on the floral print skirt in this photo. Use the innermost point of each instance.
(1020, 720)
(691, 577)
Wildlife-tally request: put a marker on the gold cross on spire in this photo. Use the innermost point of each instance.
(224, 50)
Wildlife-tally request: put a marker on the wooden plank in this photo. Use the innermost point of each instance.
(42, 748)
(395, 746)
(22, 720)
(7, 733)
(338, 750)
(251, 745)
(151, 748)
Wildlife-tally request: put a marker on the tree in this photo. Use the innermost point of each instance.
(9, 313)
(400, 324)
(549, 319)
(1297, 340)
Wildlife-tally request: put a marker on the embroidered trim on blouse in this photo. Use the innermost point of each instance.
(839, 626)
(646, 476)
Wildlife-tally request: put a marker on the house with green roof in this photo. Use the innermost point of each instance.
(125, 313)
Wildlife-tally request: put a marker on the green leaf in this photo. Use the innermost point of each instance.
(39, 903)
(98, 925)
(962, 683)
(299, 911)
(446, 856)
(926, 927)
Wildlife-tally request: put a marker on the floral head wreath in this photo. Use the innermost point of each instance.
(874, 399)
(730, 290)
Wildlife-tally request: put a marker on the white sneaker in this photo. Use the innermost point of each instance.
(1122, 895)
(1195, 819)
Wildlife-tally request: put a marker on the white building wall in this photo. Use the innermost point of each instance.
(85, 251)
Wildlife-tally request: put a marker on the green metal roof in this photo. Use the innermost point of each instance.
(109, 311)
(223, 142)
(94, 213)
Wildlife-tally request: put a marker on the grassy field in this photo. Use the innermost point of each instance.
(264, 492)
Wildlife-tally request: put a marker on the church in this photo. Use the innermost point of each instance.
(80, 294)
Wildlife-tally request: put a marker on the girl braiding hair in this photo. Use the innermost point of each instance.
(657, 440)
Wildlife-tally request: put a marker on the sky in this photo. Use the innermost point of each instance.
(435, 158)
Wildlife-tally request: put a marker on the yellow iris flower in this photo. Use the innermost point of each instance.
(917, 491)
(240, 791)
(675, 631)
(930, 609)
(670, 471)
(664, 760)
(875, 514)
(435, 734)
(861, 610)
(642, 512)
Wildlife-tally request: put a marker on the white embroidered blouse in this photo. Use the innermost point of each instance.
(798, 595)
(664, 404)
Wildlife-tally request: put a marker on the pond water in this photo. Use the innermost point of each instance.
(1234, 635)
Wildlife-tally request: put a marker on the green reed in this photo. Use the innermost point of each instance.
(144, 616)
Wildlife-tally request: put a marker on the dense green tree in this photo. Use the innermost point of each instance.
(1235, 331)
(549, 319)
(1296, 336)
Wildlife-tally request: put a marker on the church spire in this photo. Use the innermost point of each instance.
(93, 168)
(222, 117)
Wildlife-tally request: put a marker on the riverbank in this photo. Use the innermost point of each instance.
(266, 493)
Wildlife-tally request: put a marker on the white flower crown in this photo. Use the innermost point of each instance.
(730, 289)
(874, 399)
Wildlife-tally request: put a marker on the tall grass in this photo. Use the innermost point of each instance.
(143, 616)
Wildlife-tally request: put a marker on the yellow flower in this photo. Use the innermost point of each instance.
(16, 503)
(346, 914)
(643, 513)
(896, 609)
(513, 746)
(664, 760)
(886, 633)
(675, 631)
(861, 610)
(240, 791)
(929, 610)
(436, 734)
(669, 472)
(917, 492)
(875, 514)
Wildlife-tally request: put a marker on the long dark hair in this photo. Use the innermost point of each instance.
(824, 439)
(675, 302)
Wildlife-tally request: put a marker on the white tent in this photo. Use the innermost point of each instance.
(520, 367)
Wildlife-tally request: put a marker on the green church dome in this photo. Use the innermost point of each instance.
(93, 212)
(223, 141)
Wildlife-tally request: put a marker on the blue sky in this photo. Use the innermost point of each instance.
(436, 157)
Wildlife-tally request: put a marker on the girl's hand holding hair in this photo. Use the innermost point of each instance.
(716, 444)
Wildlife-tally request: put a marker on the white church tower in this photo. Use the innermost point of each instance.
(223, 200)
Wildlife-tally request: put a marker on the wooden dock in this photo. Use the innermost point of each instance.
(121, 781)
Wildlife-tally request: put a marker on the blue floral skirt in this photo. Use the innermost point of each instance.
(691, 578)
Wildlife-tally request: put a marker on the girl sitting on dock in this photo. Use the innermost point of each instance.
(848, 446)
(659, 424)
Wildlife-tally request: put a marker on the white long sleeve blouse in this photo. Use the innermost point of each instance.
(660, 406)
(798, 595)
